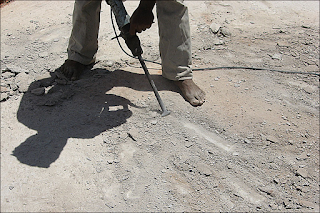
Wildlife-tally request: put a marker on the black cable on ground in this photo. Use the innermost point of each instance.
(213, 68)
(257, 68)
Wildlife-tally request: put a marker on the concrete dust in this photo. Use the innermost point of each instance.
(99, 144)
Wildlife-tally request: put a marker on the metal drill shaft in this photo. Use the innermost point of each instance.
(155, 90)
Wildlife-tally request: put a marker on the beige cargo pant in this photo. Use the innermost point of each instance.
(174, 32)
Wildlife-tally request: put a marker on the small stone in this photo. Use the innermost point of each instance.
(11, 187)
(283, 44)
(38, 91)
(22, 80)
(56, 40)
(263, 137)
(236, 85)
(303, 156)
(230, 166)
(214, 27)
(123, 135)
(204, 169)
(247, 141)
(4, 96)
(216, 79)
(305, 26)
(153, 114)
(302, 172)
(276, 56)
(154, 122)
(13, 86)
(276, 180)
(235, 154)
(225, 32)
(30, 57)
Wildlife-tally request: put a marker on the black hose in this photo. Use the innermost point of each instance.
(214, 68)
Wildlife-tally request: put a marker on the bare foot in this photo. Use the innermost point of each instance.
(191, 92)
(72, 69)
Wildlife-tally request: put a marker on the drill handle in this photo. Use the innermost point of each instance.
(132, 41)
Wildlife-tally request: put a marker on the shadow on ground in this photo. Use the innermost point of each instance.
(80, 109)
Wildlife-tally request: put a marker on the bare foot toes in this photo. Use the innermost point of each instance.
(72, 69)
(191, 92)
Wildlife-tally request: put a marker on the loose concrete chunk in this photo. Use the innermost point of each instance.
(303, 156)
(4, 96)
(204, 169)
(276, 56)
(154, 122)
(214, 27)
(22, 80)
(247, 141)
(225, 32)
(283, 44)
(302, 172)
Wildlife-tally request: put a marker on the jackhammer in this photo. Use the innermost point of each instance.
(133, 43)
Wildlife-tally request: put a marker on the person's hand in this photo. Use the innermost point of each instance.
(140, 20)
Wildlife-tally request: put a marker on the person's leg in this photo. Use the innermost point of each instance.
(83, 42)
(175, 48)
